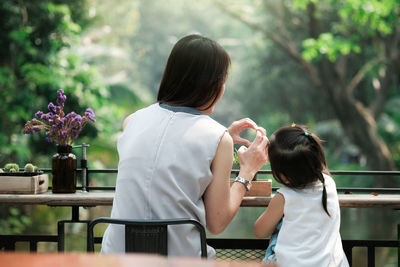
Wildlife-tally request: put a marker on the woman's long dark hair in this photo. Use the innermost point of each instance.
(298, 157)
(195, 72)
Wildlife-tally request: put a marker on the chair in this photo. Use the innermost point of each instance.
(147, 236)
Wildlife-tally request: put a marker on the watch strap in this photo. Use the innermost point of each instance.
(243, 181)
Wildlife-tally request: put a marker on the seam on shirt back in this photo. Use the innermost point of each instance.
(156, 156)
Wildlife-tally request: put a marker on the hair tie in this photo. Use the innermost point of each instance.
(306, 134)
(293, 124)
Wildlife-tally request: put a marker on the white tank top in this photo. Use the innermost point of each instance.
(308, 236)
(165, 154)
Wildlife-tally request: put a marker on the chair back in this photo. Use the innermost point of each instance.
(146, 236)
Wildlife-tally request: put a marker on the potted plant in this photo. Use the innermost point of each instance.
(29, 180)
(63, 129)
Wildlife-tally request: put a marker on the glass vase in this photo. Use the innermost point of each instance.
(64, 170)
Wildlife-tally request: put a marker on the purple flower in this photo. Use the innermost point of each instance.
(27, 130)
(49, 137)
(77, 119)
(61, 99)
(59, 127)
(35, 129)
(39, 114)
(45, 117)
(52, 107)
(60, 123)
(71, 114)
(90, 114)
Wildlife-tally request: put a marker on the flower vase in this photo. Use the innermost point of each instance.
(64, 170)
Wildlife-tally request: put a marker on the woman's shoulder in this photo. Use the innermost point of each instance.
(126, 121)
(136, 113)
(213, 122)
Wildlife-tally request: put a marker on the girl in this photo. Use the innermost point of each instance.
(307, 203)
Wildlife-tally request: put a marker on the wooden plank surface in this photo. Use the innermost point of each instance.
(345, 201)
(89, 260)
(23, 184)
(70, 199)
(106, 199)
(259, 188)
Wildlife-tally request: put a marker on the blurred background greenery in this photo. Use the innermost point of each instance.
(330, 64)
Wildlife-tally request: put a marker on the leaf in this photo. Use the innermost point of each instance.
(14, 211)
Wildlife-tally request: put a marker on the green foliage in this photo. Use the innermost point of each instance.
(329, 46)
(36, 61)
(235, 159)
(374, 16)
(359, 20)
(15, 223)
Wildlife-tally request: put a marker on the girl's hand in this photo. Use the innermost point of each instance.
(238, 126)
(252, 159)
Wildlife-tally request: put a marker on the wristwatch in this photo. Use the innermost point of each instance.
(246, 183)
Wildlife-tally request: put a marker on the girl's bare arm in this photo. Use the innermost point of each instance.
(267, 222)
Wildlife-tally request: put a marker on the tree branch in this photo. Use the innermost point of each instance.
(393, 56)
(286, 46)
(24, 13)
(360, 75)
(279, 23)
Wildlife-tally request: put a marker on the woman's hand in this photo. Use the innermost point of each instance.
(252, 159)
(238, 126)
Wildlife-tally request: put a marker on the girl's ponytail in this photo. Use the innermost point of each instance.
(324, 194)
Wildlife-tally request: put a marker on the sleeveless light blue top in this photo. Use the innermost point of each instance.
(165, 154)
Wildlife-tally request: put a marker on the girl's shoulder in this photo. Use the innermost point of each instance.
(328, 179)
(312, 188)
(286, 190)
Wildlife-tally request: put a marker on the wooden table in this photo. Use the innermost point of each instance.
(116, 260)
(106, 199)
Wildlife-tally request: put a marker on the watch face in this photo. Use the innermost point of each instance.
(242, 180)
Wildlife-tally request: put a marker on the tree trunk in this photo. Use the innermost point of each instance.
(358, 123)
(329, 79)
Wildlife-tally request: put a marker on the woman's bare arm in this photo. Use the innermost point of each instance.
(222, 201)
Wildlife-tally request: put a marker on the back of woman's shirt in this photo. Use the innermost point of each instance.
(165, 154)
(308, 236)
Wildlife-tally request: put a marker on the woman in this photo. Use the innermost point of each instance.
(175, 161)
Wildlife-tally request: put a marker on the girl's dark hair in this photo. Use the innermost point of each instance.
(195, 73)
(298, 155)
